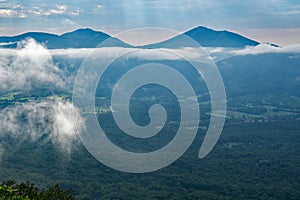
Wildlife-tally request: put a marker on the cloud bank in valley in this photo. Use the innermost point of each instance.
(30, 63)
(52, 120)
(22, 69)
(266, 48)
(147, 54)
(214, 53)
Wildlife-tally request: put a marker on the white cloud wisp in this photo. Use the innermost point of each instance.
(54, 120)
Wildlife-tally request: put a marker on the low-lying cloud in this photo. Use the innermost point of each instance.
(147, 54)
(22, 69)
(30, 63)
(190, 53)
(266, 48)
(51, 120)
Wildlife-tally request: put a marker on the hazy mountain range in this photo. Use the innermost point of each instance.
(88, 38)
(81, 38)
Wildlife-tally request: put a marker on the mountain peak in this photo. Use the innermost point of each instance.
(82, 30)
(202, 28)
(213, 38)
(206, 37)
(85, 32)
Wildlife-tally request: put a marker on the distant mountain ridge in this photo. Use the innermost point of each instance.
(206, 38)
(81, 38)
(88, 38)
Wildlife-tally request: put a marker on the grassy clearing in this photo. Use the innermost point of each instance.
(9, 96)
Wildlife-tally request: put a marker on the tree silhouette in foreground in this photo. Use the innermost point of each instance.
(10, 190)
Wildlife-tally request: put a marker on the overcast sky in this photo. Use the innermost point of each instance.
(276, 21)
